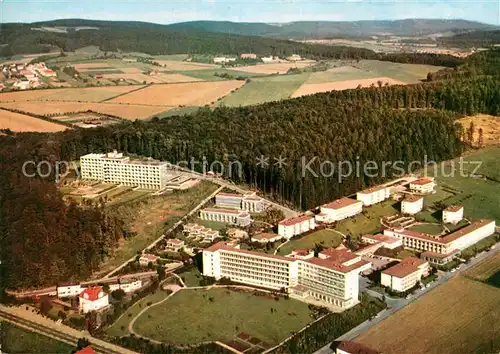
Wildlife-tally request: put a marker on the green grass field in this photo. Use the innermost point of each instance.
(430, 229)
(19, 340)
(342, 73)
(209, 74)
(260, 90)
(190, 317)
(179, 111)
(326, 238)
(404, 72)
(191, 277)
(216, 225)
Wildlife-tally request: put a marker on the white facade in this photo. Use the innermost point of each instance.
(93, 299)
(68, 290)
(384, 241)
(412, 205)
(250, 202)
(453, 214)
(127, 286)
(331, 281)
(423, 185)
(339, 210)
(228, 216)
(116, 168)
(146, 258)
(373, 195)
(405, 275)
(296, 226)
(175, 244)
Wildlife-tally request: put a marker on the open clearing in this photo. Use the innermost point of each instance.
(325, 238)
(188, 94)
(260, 90)
(22, 123)
(125, 111)
(309, 89)
(460, 316)
(408, 73)
(159, 78)
(190, 317)
(489, 124)
(342, 73)
(174, 65)
(485, 269)
(209, 74)
(92, 66)
(274, 68)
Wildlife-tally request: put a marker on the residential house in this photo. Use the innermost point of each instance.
(93, 299)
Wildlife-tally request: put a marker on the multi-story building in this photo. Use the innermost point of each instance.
(247, 202)
(113, 167)
(128, 285)
(423, 185)
(147, 258)
(439, 249)
(373, 195)
(412, 204)
(334, 280)
(68, 289)
(405, 274)
(175, 244)
(93, 299)
(296, 226)
(385, 241)
(301, 254)
(248, 56)
(453, 214)
(339, 209)
(197, 232)
(229, 216)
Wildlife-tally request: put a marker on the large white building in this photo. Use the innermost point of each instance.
(296, 226)
(93, 299)
(248, 202)
(229, 216)
(423, 185)
(113, 167)
(339, 209)
(373, 195)
(334, 280)
(405, 274)
(453, 214)
(439, 249)
(68, 289)
(412, 204)
(384, 240)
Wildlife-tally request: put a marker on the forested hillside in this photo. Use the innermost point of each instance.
(473, 39)
(42, 239)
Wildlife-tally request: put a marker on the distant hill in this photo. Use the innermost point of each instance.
(321, 29)
(473, 39)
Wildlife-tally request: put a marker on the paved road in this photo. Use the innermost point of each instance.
(397, 304)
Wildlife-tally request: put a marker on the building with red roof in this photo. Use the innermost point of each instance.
(87, 350)
(385, 241)
(93, 298)
(453, 214)
(404, 275)
(412, 204)
(339, 209)
(423, 185)
(296, 226)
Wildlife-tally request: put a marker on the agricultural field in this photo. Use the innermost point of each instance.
(210, 74)
(125, 111)
(154, 79)
(194, 316)
(485, 269)
(325, 238)
(260, 90)
(460, 316)
(489, 124)
(15, 339)
(189, 94)
(274, 68)
(342, 73)
(309, 89)
(23, 123)
(408, 73)
(175, 65)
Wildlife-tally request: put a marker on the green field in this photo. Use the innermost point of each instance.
(272, 88)
(180, 111)
(209, 74)
(431, 229)
(342, 73)
(194, 316)
(191, 277)
(216, 225)
(409, 73)
(19, 340)
(326, 238)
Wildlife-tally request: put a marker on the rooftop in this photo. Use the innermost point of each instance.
(91, 293)
(224, 211)
(230, 195)
(339, 256)
(296, 220)
(149, 256)
(372, 189)
(404, 268)
(175, 241)
(341, 203)
(382, 238)
(466, 230)
(328, 263)
(422, 181)
(265, 236)
(454, 208)
(412, 198)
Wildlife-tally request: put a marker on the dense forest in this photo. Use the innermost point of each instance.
(479, 38)
(43, 239)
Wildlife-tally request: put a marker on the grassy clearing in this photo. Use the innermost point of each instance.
(178, 111)
(15, 339)
(272, 88)
(120, 327)
(431, 229)
(339, 74)
(190, 317)
(191, 277)
(216, 225)
(209, 74)
(326, 238)
(460, 316)
(405, 72)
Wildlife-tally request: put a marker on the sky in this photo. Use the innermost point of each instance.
(269, 11)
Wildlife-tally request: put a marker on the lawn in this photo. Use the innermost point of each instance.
(216, 225)
(15, 339)
(149, 218)
(339, 74)
(120, 327)
(431, 229)
(460, 316)
(368, 222)
(191, 277)
(326, 238)
(409, 73)
(194, 316)
(266, 89)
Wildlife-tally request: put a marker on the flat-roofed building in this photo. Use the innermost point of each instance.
(453, 214)
(412, 204)
(296, 226)
(265, 237)
(68, 289)
(175, 244)
(229, 216)
(301, 254)
(423, 185)
(404, 275)
(115, 168)
(333, 281)
(373, 195)
(248, 202)
(385, 241)
(339, 209)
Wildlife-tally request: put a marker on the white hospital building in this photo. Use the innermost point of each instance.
(423, 185)
(412, 204)
(339, 210)
(453, 214)
(333, 281)
(113, 167)
(373, 195)
(405, 275)
(229, 216)
(296, 226)
(247, 202)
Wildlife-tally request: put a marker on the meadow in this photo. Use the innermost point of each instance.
(408, 73)
(325, 238)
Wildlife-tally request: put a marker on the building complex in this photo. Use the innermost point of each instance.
(373, 195)
(405, 275)
(339, 209)
(423, 185)
(333, 280)
(247, 202)
(295, 226)
(228, 216)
